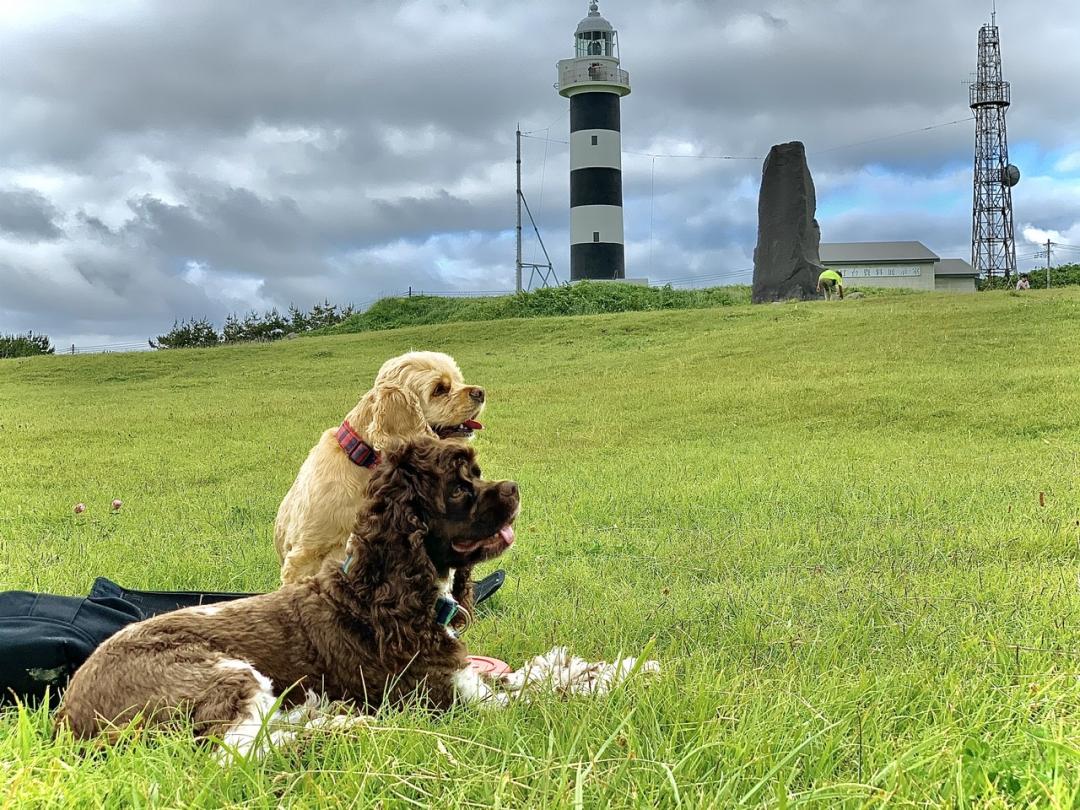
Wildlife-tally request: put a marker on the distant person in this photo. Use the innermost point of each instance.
(1023, 283)
(830, 282)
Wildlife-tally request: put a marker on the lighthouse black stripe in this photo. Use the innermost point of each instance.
(594, 111)
(599, 260)
(597, 185)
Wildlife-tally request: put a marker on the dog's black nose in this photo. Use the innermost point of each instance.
(477, 394)
(508, 489)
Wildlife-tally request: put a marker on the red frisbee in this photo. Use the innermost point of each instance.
(488, 666)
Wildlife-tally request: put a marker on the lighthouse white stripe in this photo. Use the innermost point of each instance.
(588, 219)
(607, 152)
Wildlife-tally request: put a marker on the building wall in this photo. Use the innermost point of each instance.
(912, 276)
(955, 284)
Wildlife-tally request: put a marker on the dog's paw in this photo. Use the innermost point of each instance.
(471, 689)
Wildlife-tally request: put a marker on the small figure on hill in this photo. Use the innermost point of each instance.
(829, 282)
(1024, 283)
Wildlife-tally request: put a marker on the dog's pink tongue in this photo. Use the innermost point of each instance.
(506, 534)
(472, 424)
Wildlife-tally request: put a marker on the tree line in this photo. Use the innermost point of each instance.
(200, 332)
(1064, 275)
(26, 345)
(266, 326)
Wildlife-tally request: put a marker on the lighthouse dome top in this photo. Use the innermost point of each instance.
(594, 67)
(593, 22)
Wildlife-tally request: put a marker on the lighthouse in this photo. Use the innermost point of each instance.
(594, 83)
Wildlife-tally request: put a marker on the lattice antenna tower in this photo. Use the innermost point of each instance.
(993, 249)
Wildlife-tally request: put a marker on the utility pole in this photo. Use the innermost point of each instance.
(517, 266)
(1049, 245)
(545, 271)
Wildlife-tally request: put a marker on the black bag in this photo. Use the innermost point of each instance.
(45, 638)
(151, 603)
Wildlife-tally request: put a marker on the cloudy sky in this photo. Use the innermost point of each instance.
(162, 159)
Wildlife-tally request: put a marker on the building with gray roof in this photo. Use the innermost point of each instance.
(911, 265)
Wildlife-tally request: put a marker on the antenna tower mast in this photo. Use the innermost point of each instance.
(993, 249)
(545, 272)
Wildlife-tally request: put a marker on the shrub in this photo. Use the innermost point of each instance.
(27, 345)
(270, 325)
(1065, 275)
(188, 335)
(326, 314)
(583, 298)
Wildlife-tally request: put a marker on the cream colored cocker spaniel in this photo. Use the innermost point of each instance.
(415, 395)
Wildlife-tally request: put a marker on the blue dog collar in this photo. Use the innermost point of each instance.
(446, 608)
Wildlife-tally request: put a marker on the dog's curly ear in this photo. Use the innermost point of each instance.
(403, 486)
(393, 496)
(396, 418)
(387, 569)
(387, 544)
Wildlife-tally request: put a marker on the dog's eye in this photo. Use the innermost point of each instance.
(441, 390)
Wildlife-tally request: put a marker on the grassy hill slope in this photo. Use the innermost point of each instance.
(827, 516)
(582, 298)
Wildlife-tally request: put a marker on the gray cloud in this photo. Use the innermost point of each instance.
(172, 159)
(28, 215)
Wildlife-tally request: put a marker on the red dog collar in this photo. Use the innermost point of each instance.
(359, 452)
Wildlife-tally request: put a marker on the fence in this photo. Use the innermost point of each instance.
(105, 348)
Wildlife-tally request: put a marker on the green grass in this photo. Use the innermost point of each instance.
(826, 516)
(583, 298)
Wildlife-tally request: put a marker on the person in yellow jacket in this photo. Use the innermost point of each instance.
(829, 282)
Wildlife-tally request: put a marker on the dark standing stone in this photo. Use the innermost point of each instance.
(786, 260)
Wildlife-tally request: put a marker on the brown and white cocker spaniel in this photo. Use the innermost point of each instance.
(415, 395)
(373, 629)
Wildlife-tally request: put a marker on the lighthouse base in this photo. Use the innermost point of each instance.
(597, 260)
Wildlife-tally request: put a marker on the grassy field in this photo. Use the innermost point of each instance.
(850, 530)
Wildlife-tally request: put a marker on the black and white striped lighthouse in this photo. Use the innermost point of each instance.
(594, 83)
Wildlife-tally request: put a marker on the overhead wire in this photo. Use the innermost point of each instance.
(560, 117)
(540, 204)
(896, 135)
(760, 157)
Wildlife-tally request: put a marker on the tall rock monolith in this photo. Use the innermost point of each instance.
(786, 260)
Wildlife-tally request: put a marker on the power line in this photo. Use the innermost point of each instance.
(695, 157)
(651, 154)
(706, 277)
(742, 157)
(897, 135)
(560, 117)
